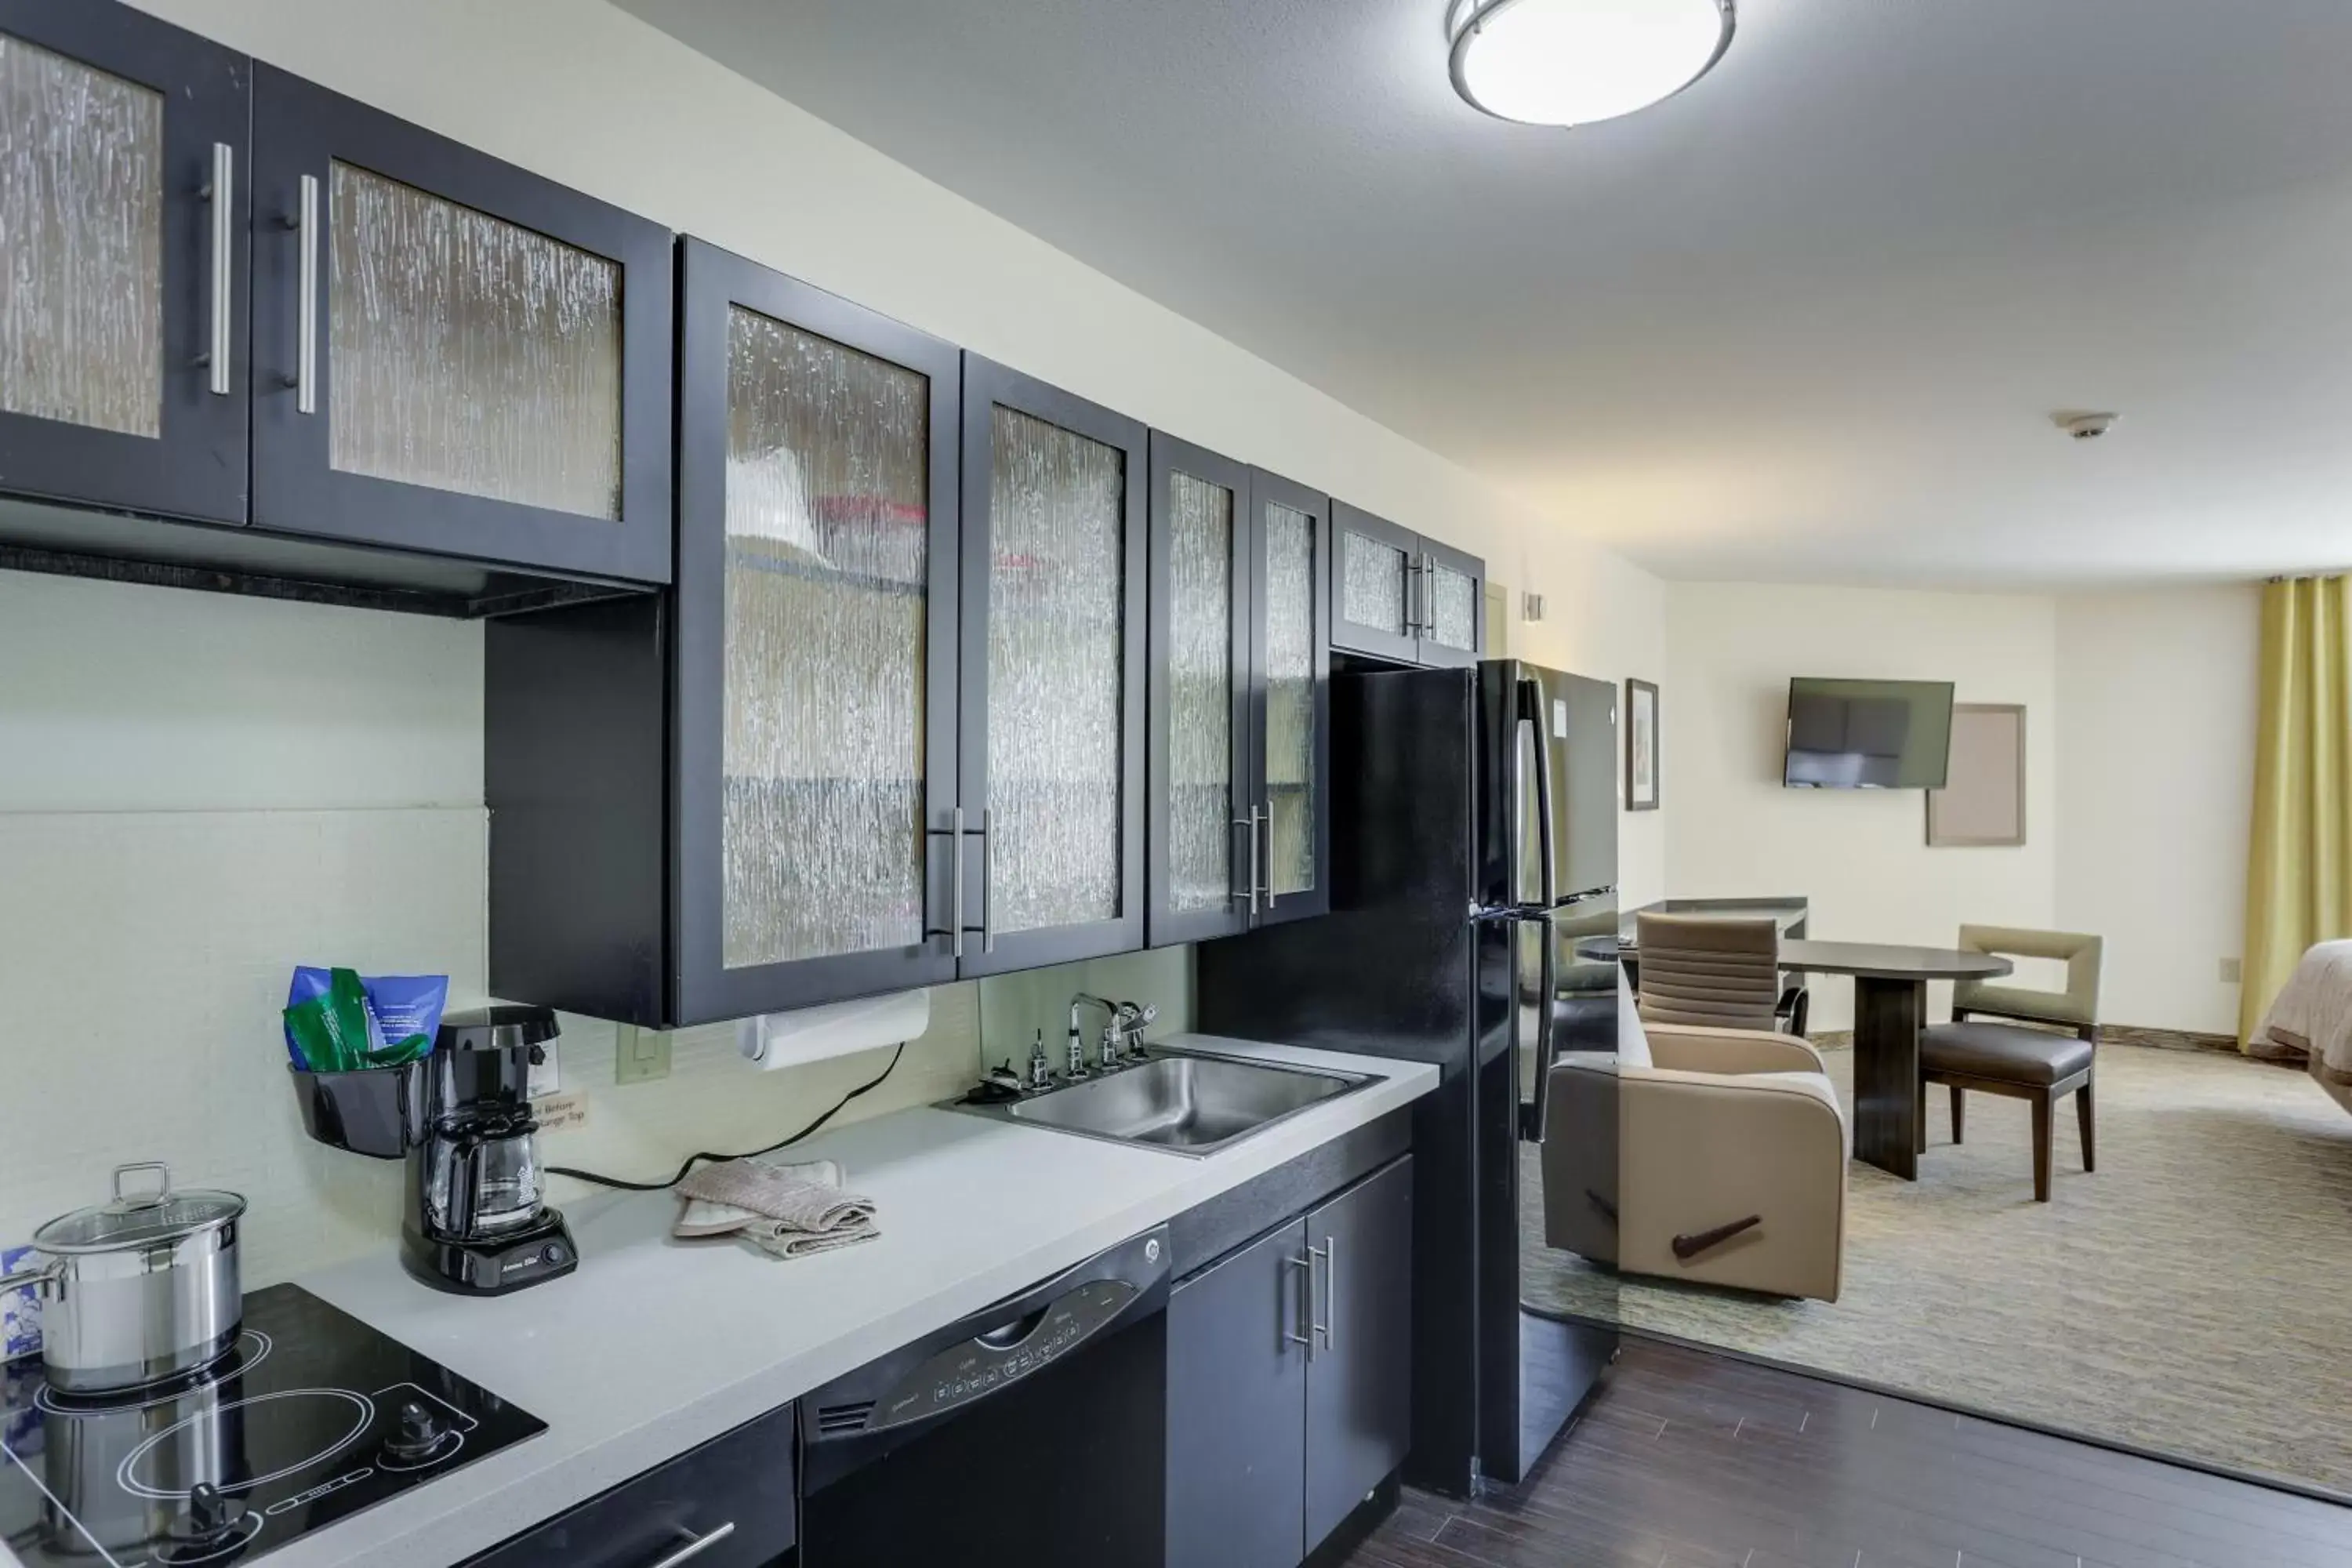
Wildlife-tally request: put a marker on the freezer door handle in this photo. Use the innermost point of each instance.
(1531, 713)
(1532, 1114)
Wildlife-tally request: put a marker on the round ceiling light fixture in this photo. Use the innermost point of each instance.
(1571, 62)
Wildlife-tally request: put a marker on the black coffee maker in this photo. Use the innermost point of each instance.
(475, 1220)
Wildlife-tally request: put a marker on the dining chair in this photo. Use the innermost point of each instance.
(1715, 971)
(2015, 1040)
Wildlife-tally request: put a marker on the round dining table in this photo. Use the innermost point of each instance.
(1890, 1008)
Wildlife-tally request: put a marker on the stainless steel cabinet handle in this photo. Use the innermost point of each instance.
(954, 928)
(1306, 1305)
(306, 314)
(696, 1545)
(1331, 1292)
(1249, 824)
(987, 879)
(1413, 568)
(222, 194)
(1322, 1327)
(1265, 825)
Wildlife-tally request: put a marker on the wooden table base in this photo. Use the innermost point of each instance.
(1887, 1014)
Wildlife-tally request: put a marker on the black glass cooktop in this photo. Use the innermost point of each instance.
(312, 1416)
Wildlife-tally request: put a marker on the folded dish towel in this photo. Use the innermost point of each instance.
(788, 1210)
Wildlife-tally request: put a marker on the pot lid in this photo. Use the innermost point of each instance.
(139, 1218)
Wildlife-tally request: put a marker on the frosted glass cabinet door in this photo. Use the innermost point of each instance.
(1375, 575)
(1053, 670)
(1452, 613)
(816, 602)
(1204, 838)
(1290, 607)
(454, 355)
(123, 262)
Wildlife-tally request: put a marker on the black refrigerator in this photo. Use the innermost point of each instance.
(1474, 842)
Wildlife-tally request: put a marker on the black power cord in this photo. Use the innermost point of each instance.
(694, 1159)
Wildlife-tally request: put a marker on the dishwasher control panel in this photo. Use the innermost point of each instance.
(993, 1349)
(982, 1364)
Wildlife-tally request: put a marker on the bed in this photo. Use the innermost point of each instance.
(2311, 1021)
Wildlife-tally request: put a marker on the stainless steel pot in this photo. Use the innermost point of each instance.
(140, 1289)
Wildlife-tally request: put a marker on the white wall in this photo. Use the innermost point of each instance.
(2158, 693)
(197, 792)
(1860, 856)
(2140, 712)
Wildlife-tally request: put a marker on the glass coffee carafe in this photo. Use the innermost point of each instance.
(482, 1181)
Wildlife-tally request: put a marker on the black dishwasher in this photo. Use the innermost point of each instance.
(1033, 1432)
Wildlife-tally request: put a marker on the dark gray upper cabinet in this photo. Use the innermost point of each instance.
(742, 797)
(1403, 598)
(817, 598)
(1290, 696)
(1051, 786)
(1237, 1339)
(1359, 1380)
(124, 169)
(1206, 851)
(451, 355)
(1240, 656)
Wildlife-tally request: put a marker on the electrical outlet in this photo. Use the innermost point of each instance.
(639, 1054)
(2229, 972)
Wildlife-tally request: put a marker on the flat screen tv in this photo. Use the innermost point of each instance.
(1868, 734)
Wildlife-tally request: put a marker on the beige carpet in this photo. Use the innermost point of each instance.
(2194, 1296)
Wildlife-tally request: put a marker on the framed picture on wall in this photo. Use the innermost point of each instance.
(1641, 746)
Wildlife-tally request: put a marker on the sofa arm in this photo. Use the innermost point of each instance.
(1698, 1154)
(1692, 1049)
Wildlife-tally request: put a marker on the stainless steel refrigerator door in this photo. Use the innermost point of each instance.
(1548, 786)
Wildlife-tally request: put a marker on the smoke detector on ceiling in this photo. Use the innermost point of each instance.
(2085, 426)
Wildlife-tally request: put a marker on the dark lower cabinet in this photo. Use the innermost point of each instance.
(1238, 1335)
(1289, 1380)
(1359, 1380)
(732, 1503)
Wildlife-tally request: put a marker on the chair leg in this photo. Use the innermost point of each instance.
(2044, 1104)
(2087, 1119)
(1957, 1101)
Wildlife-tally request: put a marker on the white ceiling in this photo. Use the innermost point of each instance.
(1808, 321)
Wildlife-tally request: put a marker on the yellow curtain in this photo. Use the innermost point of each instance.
(2299, 872)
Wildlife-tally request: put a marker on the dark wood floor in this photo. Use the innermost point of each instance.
(1687, 1460)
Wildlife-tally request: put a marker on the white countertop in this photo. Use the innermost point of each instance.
(655, 1345)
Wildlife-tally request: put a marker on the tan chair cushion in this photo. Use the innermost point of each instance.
(1712, 971)
(2003, 1051)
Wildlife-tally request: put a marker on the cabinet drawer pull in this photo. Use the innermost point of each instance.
(222, 194)
(696, 1545)
(306, 310)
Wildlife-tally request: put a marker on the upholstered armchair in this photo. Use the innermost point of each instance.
(1715, 1156)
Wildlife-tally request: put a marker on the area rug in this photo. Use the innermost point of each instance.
(2193, 1296)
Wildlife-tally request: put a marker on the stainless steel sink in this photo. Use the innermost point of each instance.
(1183, 1102)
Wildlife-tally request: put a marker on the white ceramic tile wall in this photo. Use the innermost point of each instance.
(199, 792)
